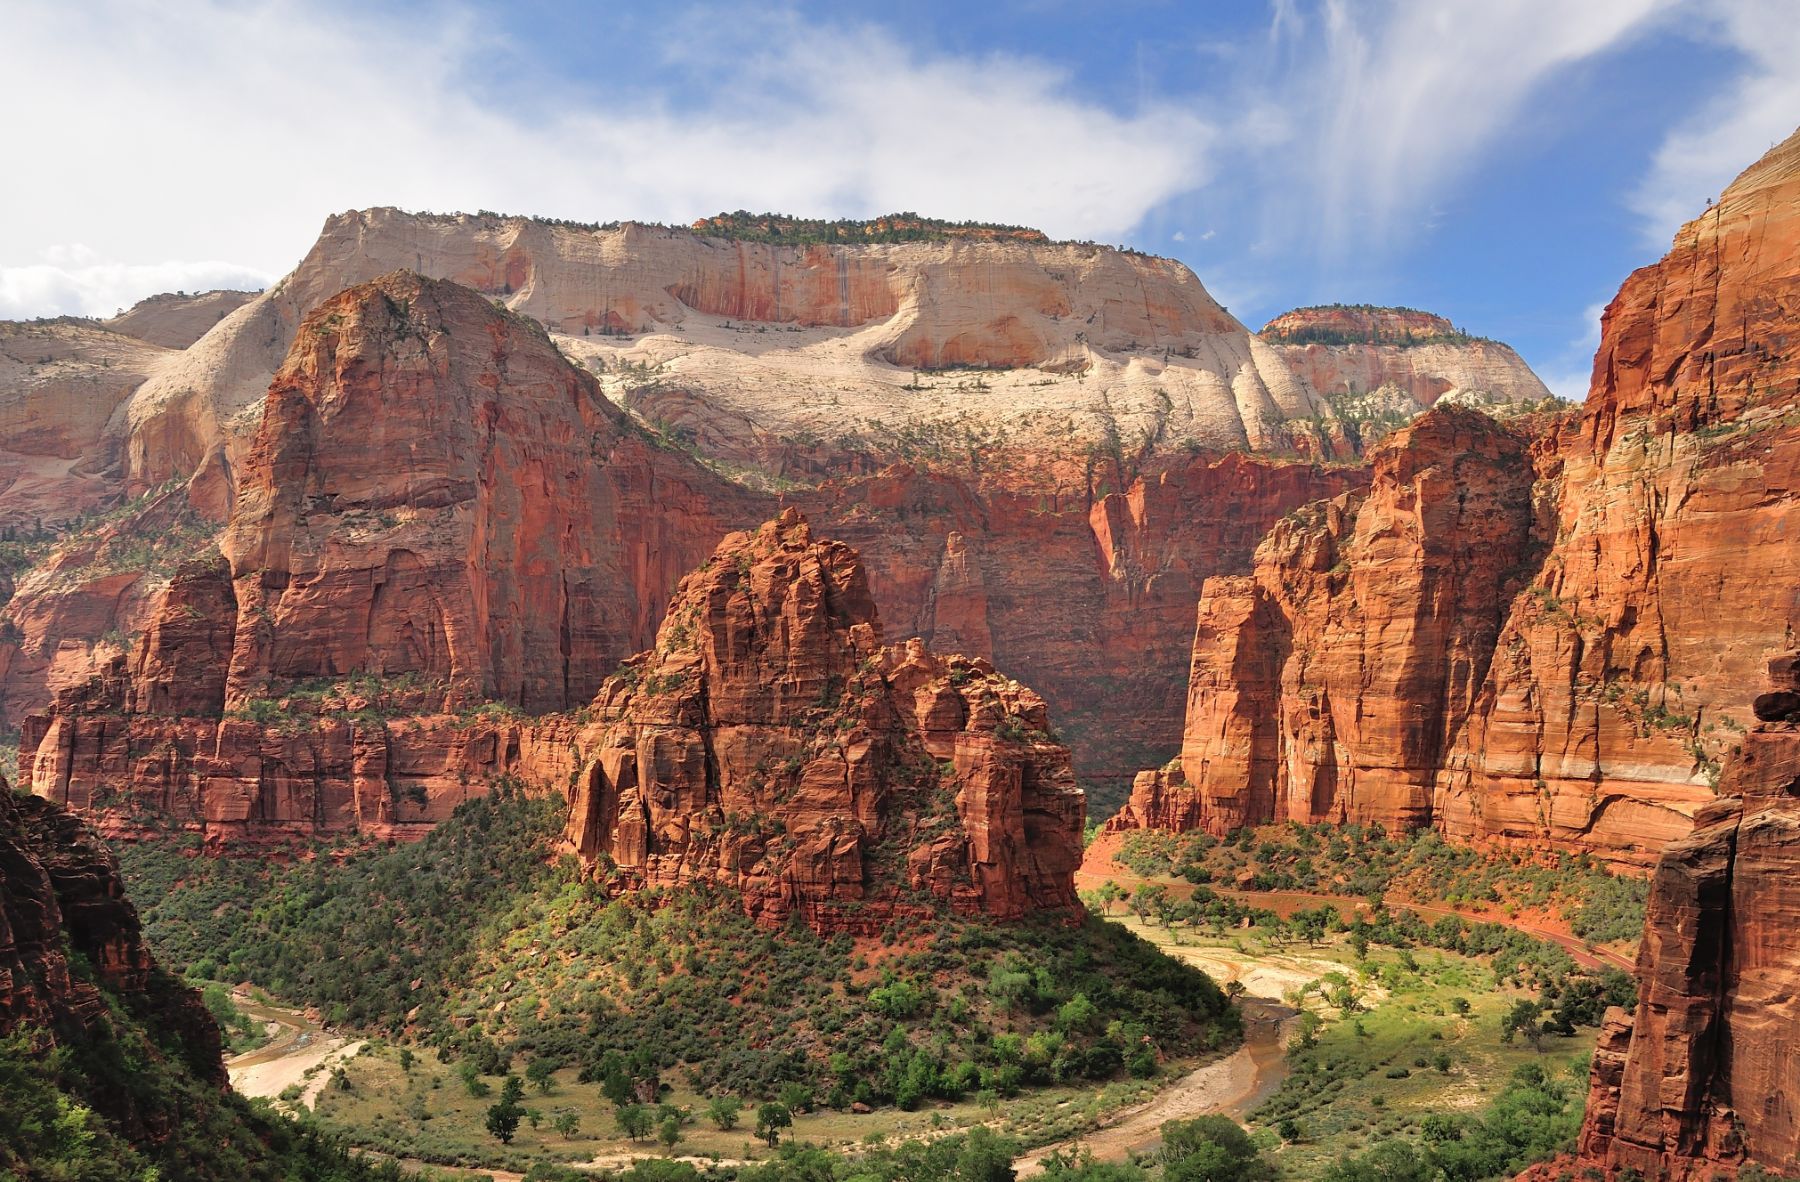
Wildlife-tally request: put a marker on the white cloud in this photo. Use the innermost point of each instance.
(73, 281)
(1377, 108)
(197, 129)
(1757, 109)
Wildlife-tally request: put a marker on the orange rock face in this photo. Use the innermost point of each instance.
(1625, 673)
(772, 743)
(435, 492)
(1702, 1075)
(1328, 686)
(1549, 643)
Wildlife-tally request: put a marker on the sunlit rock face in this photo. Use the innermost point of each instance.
(771, 743)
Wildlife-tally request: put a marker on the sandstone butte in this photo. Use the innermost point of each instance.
(1376, 366)
(61, 898)
(1541, 636)
(768, 742)
(772, 743)
(1700, 1079)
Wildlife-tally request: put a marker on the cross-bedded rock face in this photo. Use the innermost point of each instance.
(1703, 1074)
(771, 743)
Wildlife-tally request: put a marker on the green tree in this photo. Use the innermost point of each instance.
(1078, 1013)
(669, 1132)
(538, 1074)
(512, 1089)
(1109, 893)
(503, 1121)
(634, 1120)
(723, 1112)
(771, 1118)
(471, 1079)
(615, 1085)
(796, 1097)
(1526, 1018)
(567, 1122)
(1211, 1149)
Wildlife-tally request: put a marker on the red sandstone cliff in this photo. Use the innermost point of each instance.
(1567, 660)
(772, 743)
(437, 503)
(436, 495)
(1625, 672)
(1328, 685)
(434, 491)
(1701, 1078)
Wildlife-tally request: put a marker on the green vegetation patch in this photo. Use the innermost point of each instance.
(125, 1101)
(1359, 860)
(476, 942)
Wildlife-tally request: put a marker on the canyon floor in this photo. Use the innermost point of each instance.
(1404, 1019)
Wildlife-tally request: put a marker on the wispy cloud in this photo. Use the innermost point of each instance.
(231, 130)
(1373, 109)
(1757, 109)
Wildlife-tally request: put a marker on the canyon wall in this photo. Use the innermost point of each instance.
(1700, 1079)
(71, 950)
(434, 493)
(1548, 640)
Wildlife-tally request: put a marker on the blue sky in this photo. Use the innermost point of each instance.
(1504, 162)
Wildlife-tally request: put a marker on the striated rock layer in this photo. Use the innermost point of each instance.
(771, 742)
(1543, 643)
(1700, 1080)
(436, 496)
(796, 360)
(1398, 360)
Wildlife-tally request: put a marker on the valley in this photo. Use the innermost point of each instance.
(897, 700)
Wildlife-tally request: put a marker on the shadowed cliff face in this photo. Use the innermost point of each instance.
(1702, 1075)
(69, 941)
(1542, 640)
(771, 743)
